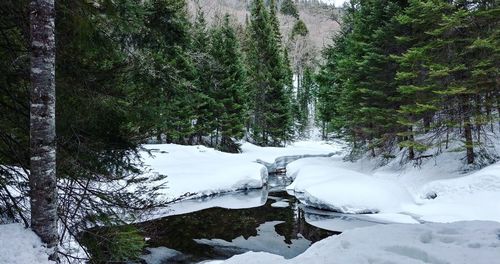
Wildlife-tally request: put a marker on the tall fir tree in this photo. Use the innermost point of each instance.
(228, 80)
(271, 123)
(205, 103)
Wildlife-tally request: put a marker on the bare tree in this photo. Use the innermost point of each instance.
(42, 124)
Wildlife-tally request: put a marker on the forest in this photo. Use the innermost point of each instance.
(114, 110)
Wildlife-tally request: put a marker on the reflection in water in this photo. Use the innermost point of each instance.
(219, 233)
(334, 221)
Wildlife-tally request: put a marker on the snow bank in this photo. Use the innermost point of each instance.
(321, 183)
(202, 171)
(472, 197)
(19, 245)
(269, 154)
(205, 171)
(398, 194)
(236, 200)
(461, 242)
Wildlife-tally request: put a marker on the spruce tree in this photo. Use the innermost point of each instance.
(418, 100)
(271, 105)
(167, 42)
(205, 104)
(289, 8)
(228, 82)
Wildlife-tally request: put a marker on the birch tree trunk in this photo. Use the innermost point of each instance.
(42, 124)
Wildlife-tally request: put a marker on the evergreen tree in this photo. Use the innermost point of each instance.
(203, 61)
(305, 99)
(228, 82)
(271, 105)
(98, 135)
(166, 43)
(289, 8)
(299, 29)
(368, 104)
(420, 74)
(418, 101)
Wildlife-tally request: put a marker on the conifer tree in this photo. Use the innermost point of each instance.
(203, 61)
(167, 42)
(418, 101)
(228, 82)
(271, 105)
(421, 75)
(289, 8)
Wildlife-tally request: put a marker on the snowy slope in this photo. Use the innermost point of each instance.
(19, 245)
(398, 196)
(458, 243)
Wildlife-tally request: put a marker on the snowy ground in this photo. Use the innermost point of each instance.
(458, 243)
(202, 171)
(19, 245)
(392, 193)
(403, 195)
(437, 191)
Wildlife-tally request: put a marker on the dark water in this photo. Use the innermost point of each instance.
(274, 223)
(218, 233)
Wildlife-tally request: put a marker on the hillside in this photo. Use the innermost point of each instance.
(317, 17)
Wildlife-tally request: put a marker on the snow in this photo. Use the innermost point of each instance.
(280, 204)
(236, 200)
(322, 179)
(19, 245)
(202, 171)
(460, 242)
(321, 183)
(337, 3)
(398, 193)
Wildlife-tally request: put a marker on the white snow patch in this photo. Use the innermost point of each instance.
(398, 194)
(321, 183)
(459, 243)
(280, 204)
(19, 245)
(205, 171)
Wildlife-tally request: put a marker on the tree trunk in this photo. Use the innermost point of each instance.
(411, 151)
(427, 123)
(42, 177)
(468, 142)
(467, 130)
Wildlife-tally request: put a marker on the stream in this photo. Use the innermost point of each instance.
(271, 220)
(220, 226)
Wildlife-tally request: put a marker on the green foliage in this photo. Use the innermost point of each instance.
(228, 79)
(113, 244)
(268, 78)
(289, 8)
(299, 29)
(305, 95)
(401, 70)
